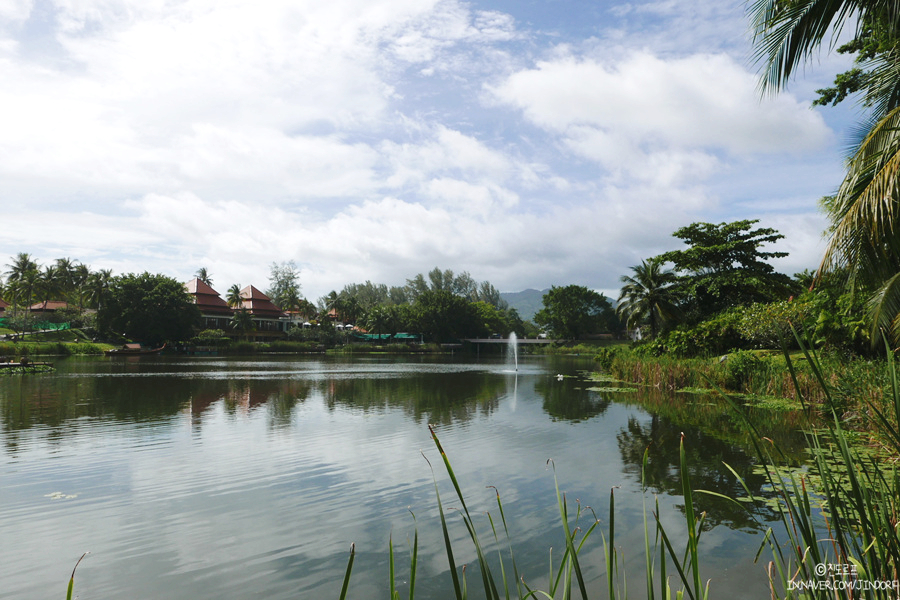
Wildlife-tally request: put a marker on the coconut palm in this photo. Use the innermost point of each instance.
(863, 239)
(81, 277)
(242, 321)
(233, 297)
(22, 265)
(204, 276)
(98, 286)
(648, 296)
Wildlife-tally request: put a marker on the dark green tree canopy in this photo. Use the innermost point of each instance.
(573, 311)
(723, 266)
(443, 316)
(148, 308)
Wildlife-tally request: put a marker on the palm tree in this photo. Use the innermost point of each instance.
(81, 276)
(21, 265)
(242, 321)
(64, 277)
(50, 284)
(864, 241)
(98, 286)
(233, 297)
(648, 295)
(204, 276)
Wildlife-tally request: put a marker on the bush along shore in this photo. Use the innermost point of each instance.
(850, 387)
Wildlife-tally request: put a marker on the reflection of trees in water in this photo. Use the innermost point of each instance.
(568, 400)
(705, 454)
(715, 416)
(438, 398)
(714, 434)
(52, 402)
(279, 396)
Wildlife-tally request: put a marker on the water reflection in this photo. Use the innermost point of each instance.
(172, 460)
(568, 399)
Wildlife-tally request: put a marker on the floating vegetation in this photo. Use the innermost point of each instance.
(27, 369)
(60, 496)
(612, 389)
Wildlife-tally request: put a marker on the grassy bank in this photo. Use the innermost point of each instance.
(15, 350)
(849, 386)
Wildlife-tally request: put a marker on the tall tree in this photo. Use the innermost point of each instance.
(203, 275)
(22, 265)
(98, 285)
(723, 266)
(242, 321)
(649, 295)
(284, 283)
(442, 316)
(233, 297)
(573, 311)
(149, 308)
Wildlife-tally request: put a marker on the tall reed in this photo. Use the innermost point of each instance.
(843, 534)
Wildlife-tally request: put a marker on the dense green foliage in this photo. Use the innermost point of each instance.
(649, 295)
(723, 267)
(442, 316)
(864, 243)
(573, 311)
(148, 308)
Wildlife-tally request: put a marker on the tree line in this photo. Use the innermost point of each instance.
(441, 305)
(720, 294)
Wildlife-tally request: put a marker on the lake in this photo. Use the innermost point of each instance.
(250, 477)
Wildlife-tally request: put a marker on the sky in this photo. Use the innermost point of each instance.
(530, 142)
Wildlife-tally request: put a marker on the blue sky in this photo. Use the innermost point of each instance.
(531, 143)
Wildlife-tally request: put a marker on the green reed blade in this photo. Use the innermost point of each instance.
(343, 595)
(509, 544)
(610, 557)
(72, 578)
(692, 524)
(684, 579)
(648, 557)
(454, 576)
(393, 593)
(570, 544)
(487, 579)
(413, 561)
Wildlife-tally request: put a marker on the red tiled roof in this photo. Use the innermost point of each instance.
(259, 304)
(3, 304)
(206, 298)
(48, 305)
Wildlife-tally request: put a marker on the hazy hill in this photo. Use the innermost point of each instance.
(527, 302)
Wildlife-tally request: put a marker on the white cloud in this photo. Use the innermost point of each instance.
(706, 101)
(15, 10)
(375, 139)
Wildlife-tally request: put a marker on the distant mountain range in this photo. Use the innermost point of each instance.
(526, 302)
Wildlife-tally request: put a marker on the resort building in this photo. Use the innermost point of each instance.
(269, 320)
(215, 312)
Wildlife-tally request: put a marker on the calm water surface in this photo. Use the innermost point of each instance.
(249, 478)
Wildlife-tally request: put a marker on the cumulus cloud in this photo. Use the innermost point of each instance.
(706, 101)
(374, 139)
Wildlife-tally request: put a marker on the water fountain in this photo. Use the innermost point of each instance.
(512, 350)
